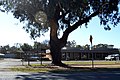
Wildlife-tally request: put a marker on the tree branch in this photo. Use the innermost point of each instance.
(77, 24)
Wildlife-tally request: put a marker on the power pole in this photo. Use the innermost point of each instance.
(91, 38)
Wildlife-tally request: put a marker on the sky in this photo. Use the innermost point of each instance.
(11, 32)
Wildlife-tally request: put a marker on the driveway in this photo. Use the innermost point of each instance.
(6, 74)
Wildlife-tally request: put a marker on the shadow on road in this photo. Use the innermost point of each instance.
(78, 74)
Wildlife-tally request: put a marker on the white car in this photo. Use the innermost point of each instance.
(109, 57)
(112, 57)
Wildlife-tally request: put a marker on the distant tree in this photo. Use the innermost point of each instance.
(46, 42)
(65, 15)
(79, 46)
(5, 49)
(13, 49)
(26, 47)
(71, 43)
(103, 46)
(37, 46)
(86, 47)
(17, 45)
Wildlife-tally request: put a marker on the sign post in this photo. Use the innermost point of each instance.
(91, 38)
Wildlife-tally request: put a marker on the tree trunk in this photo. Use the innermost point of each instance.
(55, 44)
(55, 47)
(55, 52)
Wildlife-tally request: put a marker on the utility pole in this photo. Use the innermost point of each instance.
(91, 38)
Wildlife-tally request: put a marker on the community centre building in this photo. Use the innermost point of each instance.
(78, 54)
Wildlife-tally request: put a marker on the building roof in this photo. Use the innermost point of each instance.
(2, 54)
(105, 50)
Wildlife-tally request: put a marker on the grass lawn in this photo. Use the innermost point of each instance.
(30, 69)
(48, 68)
(90, 62)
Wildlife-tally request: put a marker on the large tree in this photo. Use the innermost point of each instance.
(61, 15)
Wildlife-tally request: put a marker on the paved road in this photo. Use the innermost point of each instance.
(73, 76)
(6, 74)
(6, 63)
(61, 76)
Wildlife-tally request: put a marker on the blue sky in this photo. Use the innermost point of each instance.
(100, 35)
(11, 33)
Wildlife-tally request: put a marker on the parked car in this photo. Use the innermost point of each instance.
(112, 57)
(35, 58)
(31, 58)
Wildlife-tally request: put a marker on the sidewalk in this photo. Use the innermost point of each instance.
(98, 66)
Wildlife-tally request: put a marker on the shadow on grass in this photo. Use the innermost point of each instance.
(74, 73)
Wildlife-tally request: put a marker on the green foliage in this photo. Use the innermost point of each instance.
(7, 48)
(37, 45)
(26, 11)
(71, 43)
(40, 46)
(26, 47)
(78, 46)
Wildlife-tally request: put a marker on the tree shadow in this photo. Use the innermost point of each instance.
(75, 74)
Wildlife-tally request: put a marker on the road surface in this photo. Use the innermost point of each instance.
(6, 74)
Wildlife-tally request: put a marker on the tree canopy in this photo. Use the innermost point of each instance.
(68, 13)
